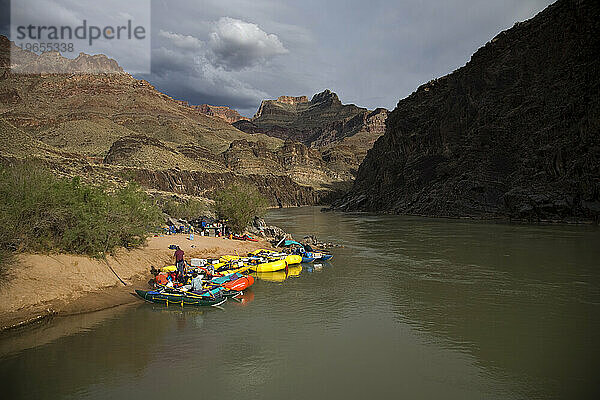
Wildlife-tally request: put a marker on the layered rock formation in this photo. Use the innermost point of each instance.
(25, 62)
(296, 118)
(303, 164)
(225, 113)
(292, 100)
(111, 127)
(121, 165)
(514, 133)
(342, 133)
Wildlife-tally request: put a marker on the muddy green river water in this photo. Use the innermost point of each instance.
(410, 307)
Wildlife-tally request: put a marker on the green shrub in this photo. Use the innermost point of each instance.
(40, 212)
(186, 209)
(239, 204)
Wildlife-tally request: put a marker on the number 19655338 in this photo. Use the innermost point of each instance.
(65, 47)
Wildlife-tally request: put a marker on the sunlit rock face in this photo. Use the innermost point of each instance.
(341, 133)
(225, 113)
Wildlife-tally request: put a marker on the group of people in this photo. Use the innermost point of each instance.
(180, 278)
(220, 228)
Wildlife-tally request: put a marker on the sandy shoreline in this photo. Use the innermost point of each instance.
(40, 286)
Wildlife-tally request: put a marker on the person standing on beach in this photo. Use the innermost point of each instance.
(179, 262)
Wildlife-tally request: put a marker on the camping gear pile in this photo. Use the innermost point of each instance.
(210, 282)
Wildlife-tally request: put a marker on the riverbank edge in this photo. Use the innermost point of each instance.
(43, 286)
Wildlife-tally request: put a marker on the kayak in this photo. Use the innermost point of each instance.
(206, 298)
(307, 259)
(257, 252)
(225, 259)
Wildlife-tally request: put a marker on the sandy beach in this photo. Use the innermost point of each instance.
(43, 285)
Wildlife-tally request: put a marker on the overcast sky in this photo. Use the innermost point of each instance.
(372, 53)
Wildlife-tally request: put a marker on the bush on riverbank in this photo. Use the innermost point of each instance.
(239, 204)
(184, 209)
(40, 212)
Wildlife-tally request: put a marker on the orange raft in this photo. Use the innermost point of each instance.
(239, 284)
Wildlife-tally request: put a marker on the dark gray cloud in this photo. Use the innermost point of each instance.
(237, 52)
(190, 68)
(371, 53)
(5, 17)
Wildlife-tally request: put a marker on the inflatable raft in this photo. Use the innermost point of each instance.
(270, 266)
(235, 281)
(211, 297)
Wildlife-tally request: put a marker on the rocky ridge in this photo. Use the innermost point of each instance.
(515, 133)
(225, 113)
(342, 133)
(111, 127)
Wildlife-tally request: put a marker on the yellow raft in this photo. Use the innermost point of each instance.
(257, 252)
(270, 266)
(277, 261)
(293, 259)
(229, 258)
(289, 258)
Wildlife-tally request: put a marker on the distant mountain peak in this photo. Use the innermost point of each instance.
(292, 100)
(27, 62)
(326, 96)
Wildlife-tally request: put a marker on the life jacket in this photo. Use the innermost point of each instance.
(161, 279)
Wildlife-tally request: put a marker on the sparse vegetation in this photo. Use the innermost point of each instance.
(239, 204)
(40, 212)
(185, 209)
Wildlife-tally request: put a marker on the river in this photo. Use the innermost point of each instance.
(410, 307)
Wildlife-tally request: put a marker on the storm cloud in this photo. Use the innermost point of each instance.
(237, 52)
(211, 68)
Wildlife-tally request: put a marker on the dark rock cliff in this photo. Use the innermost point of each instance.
(514, 133)
(279, 190)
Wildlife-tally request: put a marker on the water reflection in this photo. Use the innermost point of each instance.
(279, 276)
(50, 330)
(522, 299)
(415, 308)
(94, 352)
(246, 298)
(316, 267)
